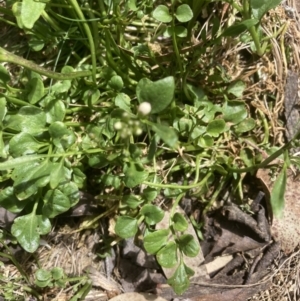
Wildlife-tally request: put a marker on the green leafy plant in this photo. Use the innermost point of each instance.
(115, 96)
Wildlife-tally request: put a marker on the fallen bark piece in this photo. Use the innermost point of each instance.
(231, 240)
(137, 297)
(218, 263)
(269, 257)
(237, 294)
(234, 213)
(208, 291)
(291, 102)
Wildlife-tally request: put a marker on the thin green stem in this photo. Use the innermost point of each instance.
(6, 56)
(111, 61)
(89, 36)
(51, 21)
(255, 37)
(252, 30)
(175, 186)
(16, 101)
(175, 46)
(266, 127)
(15, 262)
(178, 199)
(216, 193)
(267, 161)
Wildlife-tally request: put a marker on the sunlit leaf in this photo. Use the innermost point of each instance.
(126, 226)
(153, 214)
(154, 241)
(167, 256)
(161, 13)
(184, 13)
(159, 93)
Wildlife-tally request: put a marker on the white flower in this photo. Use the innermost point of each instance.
(138, 131)
(144, 108)
(118, 125)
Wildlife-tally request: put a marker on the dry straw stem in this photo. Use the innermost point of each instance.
(285, 279)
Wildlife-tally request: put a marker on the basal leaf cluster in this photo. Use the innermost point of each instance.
(110, 97)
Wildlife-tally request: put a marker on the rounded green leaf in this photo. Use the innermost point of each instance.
(116, 82)
(154, 241)
(29, 177)
(4, 75)
(167, 256)
(27, 230)
(184, 13)
(57, 273)
(153, 214)
(57, 174)
(188, 245)
(42, 283)
(44, 225)
(161, 14)
(43, 275)
(17, 11)
(111, 180)
(30, 12)
(149, 194)
(36, 88)
(259, 8)
(79, 177)
(62, 86)
(91, 97)
(180, 31)
(131, 201)
(159, 94)
(71, 190)
(167, 134)
(134, 174)
(206, 141)
(55, 203)
(237, 88)
(29, 119)
(180, 279)
(9, 201)
(245, 126)
(126, 226)
(62, 136)
(54, 108)
(234, 112)
(122, 101)
(24, 229)
(216, 127)
(179, 222)
(23, 144)
(238, 28)
(36, 44)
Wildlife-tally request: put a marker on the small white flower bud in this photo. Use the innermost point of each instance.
(144, 108)
(118, 125)
(138, 131)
